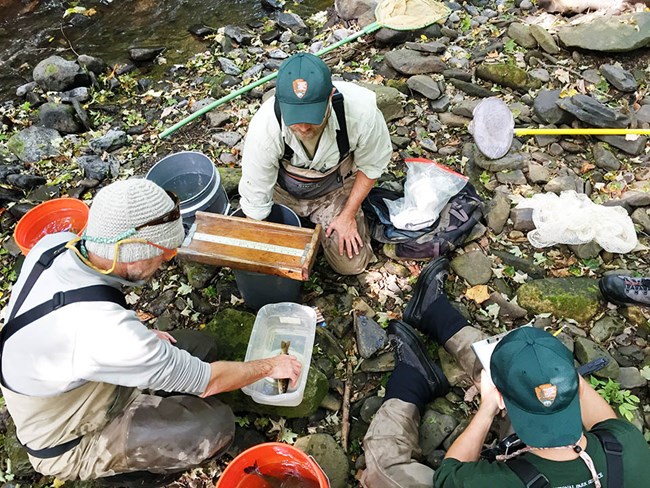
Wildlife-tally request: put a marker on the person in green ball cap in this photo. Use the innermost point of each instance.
(317, 147)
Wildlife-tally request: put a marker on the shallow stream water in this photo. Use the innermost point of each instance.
(31, 30)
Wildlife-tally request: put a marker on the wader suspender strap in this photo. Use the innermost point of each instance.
(614, 455)
(527, 473)
(342, 139)
(532, 478)
(96, 293)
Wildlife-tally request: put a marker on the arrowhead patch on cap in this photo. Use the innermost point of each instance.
(546, 394)
(300, 87)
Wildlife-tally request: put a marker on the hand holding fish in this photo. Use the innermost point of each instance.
(285, 366)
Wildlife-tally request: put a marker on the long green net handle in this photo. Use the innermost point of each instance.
(408, 15)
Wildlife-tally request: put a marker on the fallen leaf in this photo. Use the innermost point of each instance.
(144, 316)
(478, 293)
(471, 393)
(586, 167)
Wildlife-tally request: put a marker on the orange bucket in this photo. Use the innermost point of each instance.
(58, 215)
(273, 460)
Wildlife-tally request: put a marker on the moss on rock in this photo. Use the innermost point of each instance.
(315, 390)
(232, 330)
(571, 298)
(507, 75)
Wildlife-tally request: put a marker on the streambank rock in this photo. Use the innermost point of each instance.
(96, 168)
(35, 143)
(389, 100)
(329, 455)
(587, 351)
(620, 78)
(353, 9)
(615, 34)
(293, 23)
(434, 429)
(571, 298)
(59, 117)
(58, 74)
(474, 266)
(508, 75)
(593, 112)
(410, 62)
(546, 108)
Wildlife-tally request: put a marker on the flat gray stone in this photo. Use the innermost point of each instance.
(546, 108)
(514, 177)
(545, 40)
(35, 143)
(507, 310)
(618, 77)
(111, 141)
(473, 266)
(633, 147)
(522, 219)
(370, 407)
(370, 336)
(471, 88)
(604, 159)
(59, 117)
(512, 160)
(591, 111)
(424, 85)
(329, 455)
(409, 62)
(587, 250)
(560, 183)
(614, 34)
(381, 364)
(389, 100)
(587, 351)
(630, 377)
(96, 168)
(538, 173)
(497, 212)
(605, 328)
(521, 34)
(229, 67)
(434, 429)
(293, 22)
(229, 139)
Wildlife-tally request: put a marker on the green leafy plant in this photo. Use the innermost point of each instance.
(510, 46)
(622, 400)
(484, 178)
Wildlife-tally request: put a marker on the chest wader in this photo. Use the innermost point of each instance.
(52, 426)
(532, 478)
(308, 184)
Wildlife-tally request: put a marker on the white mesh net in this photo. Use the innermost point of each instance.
(492, 127)
(572, 218)
(410, 14)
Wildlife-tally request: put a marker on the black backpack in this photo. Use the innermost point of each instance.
(457, 219)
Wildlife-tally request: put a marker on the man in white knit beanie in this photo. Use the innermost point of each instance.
(75, 359)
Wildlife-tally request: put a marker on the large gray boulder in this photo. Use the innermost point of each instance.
(389, 100)
(35, 143)
(58, 74)
(59, 117)
(410, 62)
(353, 9)
(616, 34)
(329, 455)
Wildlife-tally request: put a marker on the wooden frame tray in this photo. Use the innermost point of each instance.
(252, 245)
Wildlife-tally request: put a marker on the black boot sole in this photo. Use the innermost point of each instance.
(431, 269)
(433, 371)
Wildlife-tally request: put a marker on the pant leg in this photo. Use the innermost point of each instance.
(322, 211)
(459, 346)
(197, 343)
(390, 446)
(161, 435)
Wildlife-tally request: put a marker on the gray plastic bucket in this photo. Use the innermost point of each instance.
(259, 289)
(192, 176)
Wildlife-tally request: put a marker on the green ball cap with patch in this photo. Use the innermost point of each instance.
(534, 373)
(303, 89)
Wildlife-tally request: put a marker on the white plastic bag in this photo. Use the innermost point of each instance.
(572, 218)
(427, 190)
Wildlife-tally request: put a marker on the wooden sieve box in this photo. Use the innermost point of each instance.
(252, 245)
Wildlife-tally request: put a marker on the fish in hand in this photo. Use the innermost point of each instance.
(283, 384)
(291, 480)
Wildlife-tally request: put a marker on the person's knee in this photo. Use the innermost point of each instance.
(220, 426)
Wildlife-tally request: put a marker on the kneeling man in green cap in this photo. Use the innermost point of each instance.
(317, 147)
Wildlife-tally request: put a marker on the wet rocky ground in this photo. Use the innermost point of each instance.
(82, 124)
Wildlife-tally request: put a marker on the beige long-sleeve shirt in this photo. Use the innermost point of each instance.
(264, 147)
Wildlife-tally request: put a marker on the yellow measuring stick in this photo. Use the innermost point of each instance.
(581, 132)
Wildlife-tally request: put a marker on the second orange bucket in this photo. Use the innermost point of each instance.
(58, 215)
(261, 465)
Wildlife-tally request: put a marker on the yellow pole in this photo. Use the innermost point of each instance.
(581, 132)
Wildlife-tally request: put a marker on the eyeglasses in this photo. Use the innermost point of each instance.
(171, 216)
(168, 254)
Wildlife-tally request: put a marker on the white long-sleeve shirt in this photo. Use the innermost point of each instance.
(89, 341)
(264, 147)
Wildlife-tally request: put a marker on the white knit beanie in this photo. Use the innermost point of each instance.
(126, 204)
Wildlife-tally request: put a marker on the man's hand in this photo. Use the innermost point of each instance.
(347, 232)
(285, 366)
(491, 402)
(165, 336)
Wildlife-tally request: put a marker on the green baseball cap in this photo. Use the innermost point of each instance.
(303, 89)
(534, 373)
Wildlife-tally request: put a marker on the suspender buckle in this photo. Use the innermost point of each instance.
(58, 300)
(614, 448)
(538, 481)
